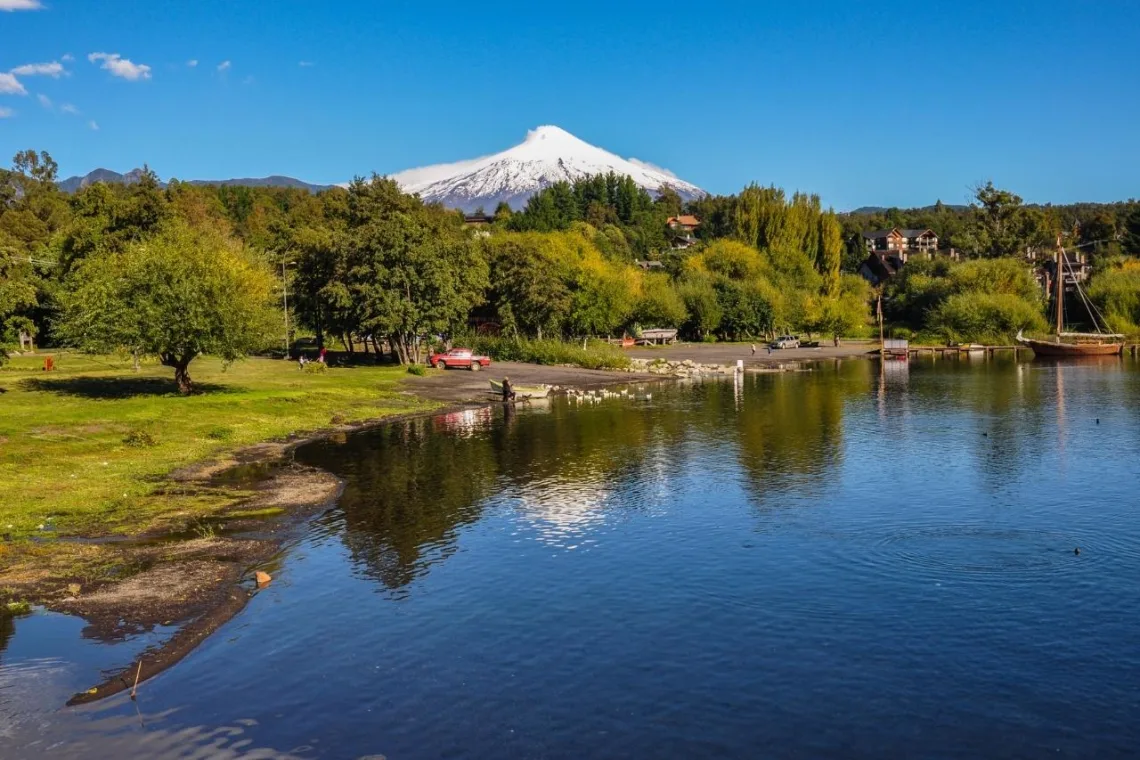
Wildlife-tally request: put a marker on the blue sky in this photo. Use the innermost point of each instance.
(866, 103)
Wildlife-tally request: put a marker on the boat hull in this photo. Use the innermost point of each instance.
(1048, 348)
(522, 391)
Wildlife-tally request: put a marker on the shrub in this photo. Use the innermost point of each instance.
(984, 317)
(219, 433)
(418, 370)
(595, 355)
(140, 439)
(1116, 292)
(316, 368)
(13, 609)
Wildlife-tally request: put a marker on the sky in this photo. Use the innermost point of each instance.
(865, 103)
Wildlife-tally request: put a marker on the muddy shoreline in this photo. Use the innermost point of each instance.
(199, 582)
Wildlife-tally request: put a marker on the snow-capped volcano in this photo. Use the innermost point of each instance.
(547, 155)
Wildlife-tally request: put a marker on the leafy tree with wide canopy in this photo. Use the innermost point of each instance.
(176, 295)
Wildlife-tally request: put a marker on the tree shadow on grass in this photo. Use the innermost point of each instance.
(117, 387)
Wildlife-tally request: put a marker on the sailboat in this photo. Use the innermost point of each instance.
(1074, 344)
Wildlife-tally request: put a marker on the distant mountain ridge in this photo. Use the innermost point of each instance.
(868, 210)
(76, 183)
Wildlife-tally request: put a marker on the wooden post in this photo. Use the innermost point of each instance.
(879, 313)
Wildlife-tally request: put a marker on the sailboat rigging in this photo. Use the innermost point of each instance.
(1099, 343)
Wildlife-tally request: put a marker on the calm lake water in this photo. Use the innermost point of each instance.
(846, 563)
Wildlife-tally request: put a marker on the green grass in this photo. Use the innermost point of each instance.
(84, 449)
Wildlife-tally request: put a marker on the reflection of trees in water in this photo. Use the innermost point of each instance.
(790, 426)
(999, 405)
(407, 489)
(410, 486)
(7, 629)
(568, 468)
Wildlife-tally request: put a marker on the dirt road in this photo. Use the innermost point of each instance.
(728, 353)
(460, 386)
(463, 386)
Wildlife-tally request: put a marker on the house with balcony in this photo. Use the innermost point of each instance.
(683, 229)
(902, 242)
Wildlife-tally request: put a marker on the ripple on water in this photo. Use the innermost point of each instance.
(980, 552)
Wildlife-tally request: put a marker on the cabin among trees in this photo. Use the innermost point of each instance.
(888, 250)
(902, 240)
(684, 230)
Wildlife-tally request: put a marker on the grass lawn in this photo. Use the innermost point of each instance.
(83, 449)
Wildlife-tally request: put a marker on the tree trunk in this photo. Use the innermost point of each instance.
(320, 327)
(376, 348)
(181, 365)
(182, 377)
(135, 360)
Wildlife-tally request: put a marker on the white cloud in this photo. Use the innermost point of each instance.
(121, 67)
(306, 64)
(9, 85)
(67, 58)
(6, 113)
(68, 108)
(192, 62)
(652, 167)
(54, 69)
(93, 125)
(45, 101)
(20, 5)
(224, 66)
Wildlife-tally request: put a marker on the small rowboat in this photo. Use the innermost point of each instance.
(522, 391)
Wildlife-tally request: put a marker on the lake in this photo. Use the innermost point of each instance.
(860, 561)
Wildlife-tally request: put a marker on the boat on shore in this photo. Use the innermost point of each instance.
(522, 392)
(1073, 344)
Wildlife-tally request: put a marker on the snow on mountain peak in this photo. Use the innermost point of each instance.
(547, 155)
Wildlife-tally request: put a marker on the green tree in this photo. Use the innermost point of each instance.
(181, 293)
(1130, 234)
(1000, 225)
(830, 253)
(413, 270)
(701, 304)
(529, 283)
(660, 305)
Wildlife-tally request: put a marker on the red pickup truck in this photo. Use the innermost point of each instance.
(459, 357)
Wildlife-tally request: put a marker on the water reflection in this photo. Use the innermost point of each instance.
(833, 563)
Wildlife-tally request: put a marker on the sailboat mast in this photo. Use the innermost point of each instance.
(1060, 289)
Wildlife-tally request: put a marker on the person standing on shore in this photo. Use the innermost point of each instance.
(753, 349)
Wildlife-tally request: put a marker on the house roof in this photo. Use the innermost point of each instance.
(687, 220)
(881, 265)
(876, 234)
